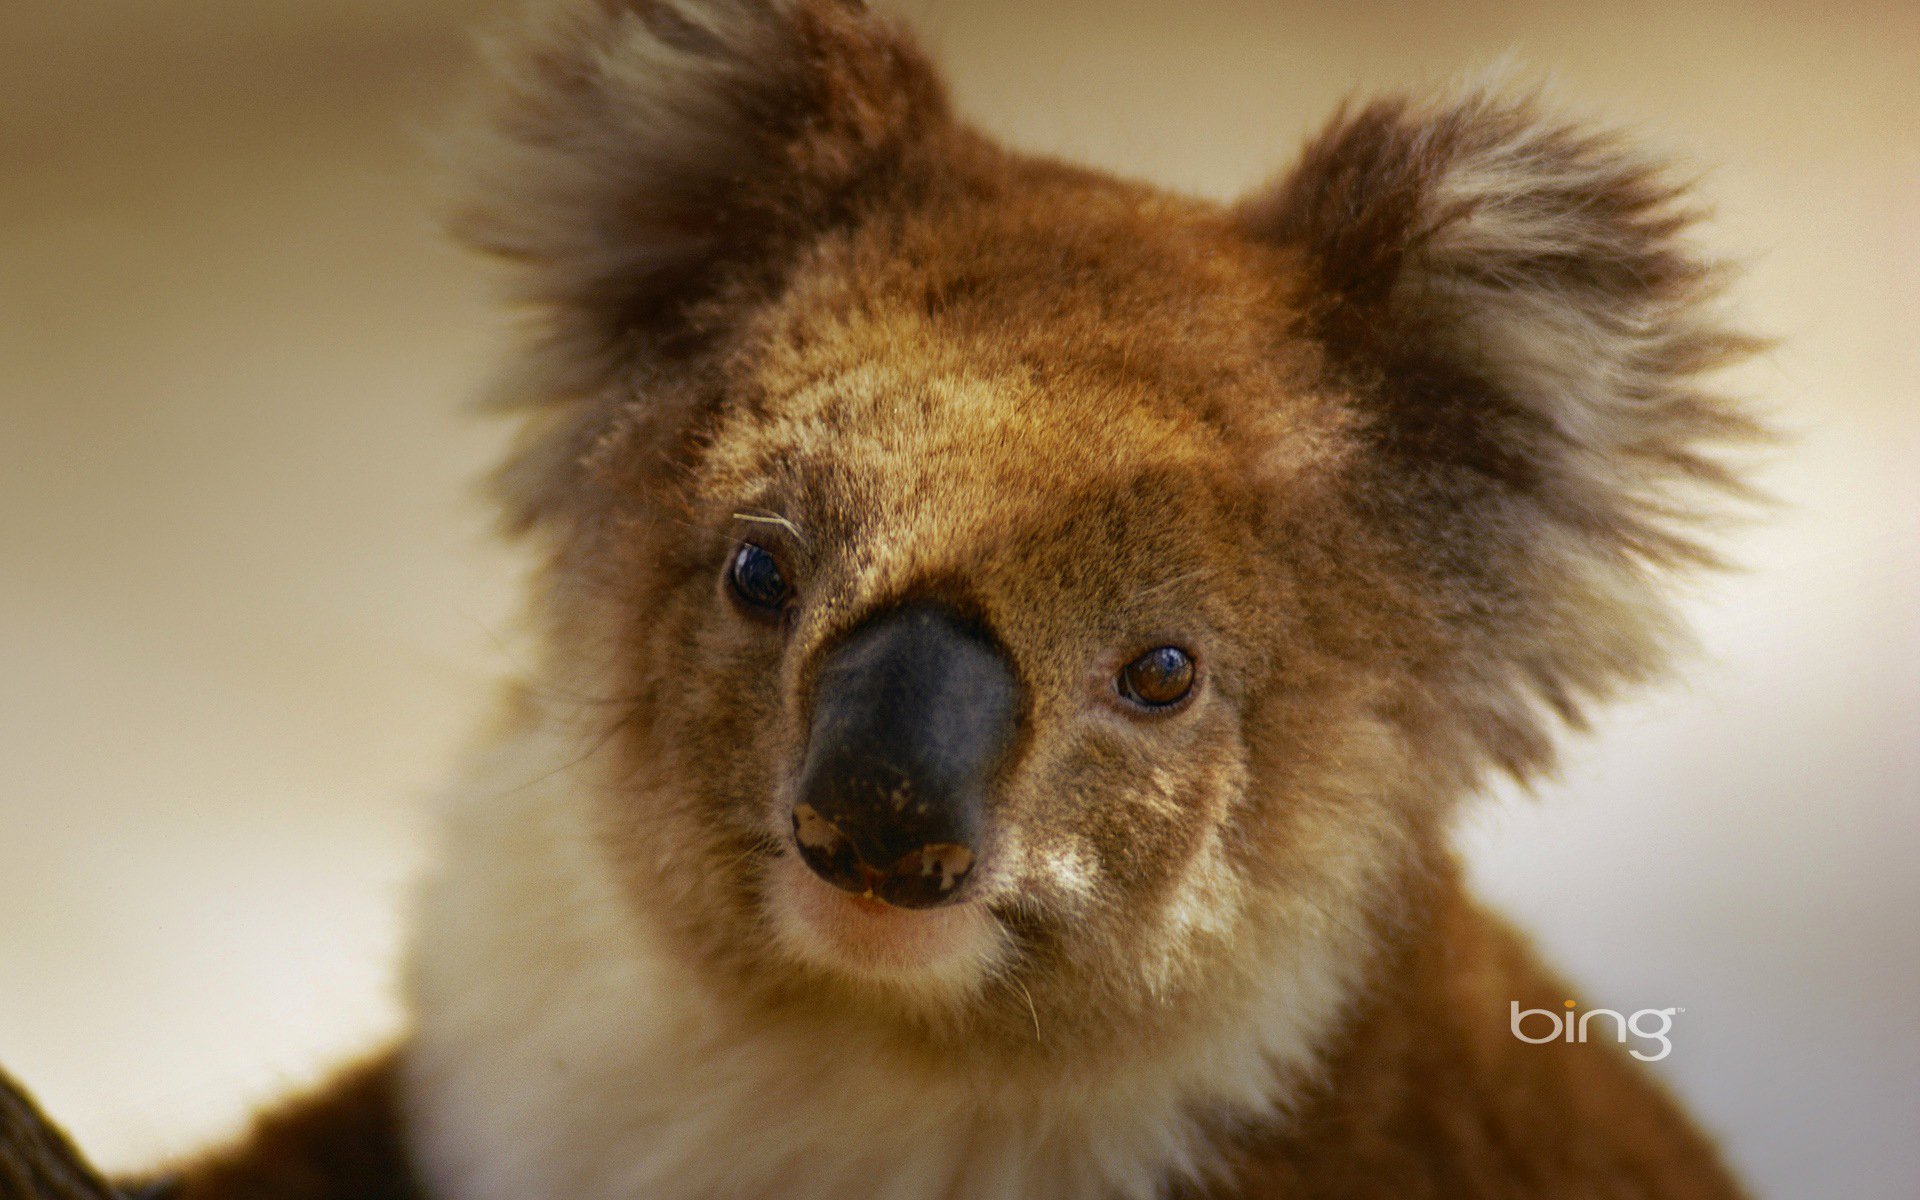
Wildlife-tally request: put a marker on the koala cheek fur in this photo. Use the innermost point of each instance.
(1378, 478)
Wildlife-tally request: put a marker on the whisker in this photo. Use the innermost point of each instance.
(613, 728)
(1031, 1010)
(762, 518)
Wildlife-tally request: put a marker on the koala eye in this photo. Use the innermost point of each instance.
(1159, 678)
(756, 579)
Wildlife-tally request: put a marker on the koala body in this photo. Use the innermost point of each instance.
(1015, 641)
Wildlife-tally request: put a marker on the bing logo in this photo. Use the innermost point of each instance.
(1652, 1025)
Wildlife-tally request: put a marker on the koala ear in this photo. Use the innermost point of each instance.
(647, 169)
(1511, 302)
(635, 156)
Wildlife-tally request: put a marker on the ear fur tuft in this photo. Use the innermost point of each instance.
(642, 165)
(632, 153)
(1512, 299)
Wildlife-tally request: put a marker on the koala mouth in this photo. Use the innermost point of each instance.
(867, 937)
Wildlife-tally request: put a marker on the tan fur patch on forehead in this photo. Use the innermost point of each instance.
(1038, 332)
(932, 416)
(1097, 290)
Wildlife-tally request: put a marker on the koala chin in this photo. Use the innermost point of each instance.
(1014, 642)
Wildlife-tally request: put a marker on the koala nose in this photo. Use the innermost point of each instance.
(913, 713)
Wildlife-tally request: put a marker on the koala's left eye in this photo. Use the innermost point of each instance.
(756, 579)
(1159, 678)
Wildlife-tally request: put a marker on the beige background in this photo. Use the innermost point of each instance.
(247, 610)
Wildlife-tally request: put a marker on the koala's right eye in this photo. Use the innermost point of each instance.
(756, 579)
(1158, 679)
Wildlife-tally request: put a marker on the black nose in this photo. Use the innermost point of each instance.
(913, 713)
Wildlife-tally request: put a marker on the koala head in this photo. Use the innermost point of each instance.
(992, 592)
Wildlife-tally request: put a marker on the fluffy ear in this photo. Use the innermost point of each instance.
(1511, 299)
(646, 167)
(634, 150)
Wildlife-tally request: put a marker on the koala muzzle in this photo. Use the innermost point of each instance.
(913, 714)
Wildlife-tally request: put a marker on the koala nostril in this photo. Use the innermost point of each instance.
(926, 877)
(829, 853)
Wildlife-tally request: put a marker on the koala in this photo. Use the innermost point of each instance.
(1014, 643)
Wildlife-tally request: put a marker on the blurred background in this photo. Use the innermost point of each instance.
(249, 609)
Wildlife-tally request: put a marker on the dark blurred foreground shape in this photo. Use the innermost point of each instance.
(37, 1161)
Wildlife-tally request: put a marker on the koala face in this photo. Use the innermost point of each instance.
(1031, 599)
(984, 615)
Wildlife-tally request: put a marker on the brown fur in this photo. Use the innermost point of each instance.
(1429, 1095)
(342, 1142)
(1402, 448)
